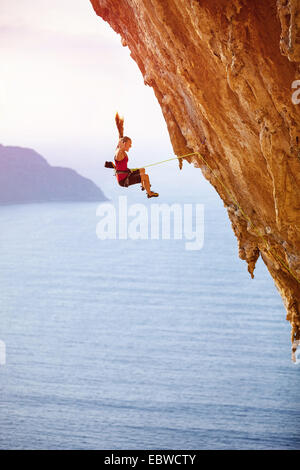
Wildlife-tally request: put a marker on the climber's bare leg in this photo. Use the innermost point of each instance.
(146, 183)
(145, 180)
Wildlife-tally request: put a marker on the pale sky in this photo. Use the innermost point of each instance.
(63, 75)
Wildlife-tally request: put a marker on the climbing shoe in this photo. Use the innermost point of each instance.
(152, 194)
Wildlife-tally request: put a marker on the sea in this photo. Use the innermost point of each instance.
(139, 343)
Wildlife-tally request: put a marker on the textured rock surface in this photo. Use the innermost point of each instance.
(222, 71)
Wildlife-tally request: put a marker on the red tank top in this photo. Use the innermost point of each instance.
(121, 165)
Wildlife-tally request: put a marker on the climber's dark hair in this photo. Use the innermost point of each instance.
(120, 126)
(125, 139)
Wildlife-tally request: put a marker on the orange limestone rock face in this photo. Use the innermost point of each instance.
(227, 76)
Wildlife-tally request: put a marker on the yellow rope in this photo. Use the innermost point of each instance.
(163, 161)
(269, 250)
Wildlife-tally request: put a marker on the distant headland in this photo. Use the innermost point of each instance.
(27, 177)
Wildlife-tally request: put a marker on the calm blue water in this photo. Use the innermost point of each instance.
(139, 344)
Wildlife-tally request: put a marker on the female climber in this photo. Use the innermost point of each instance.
(124, 175)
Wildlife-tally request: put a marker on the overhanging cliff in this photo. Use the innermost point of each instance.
(225, 74)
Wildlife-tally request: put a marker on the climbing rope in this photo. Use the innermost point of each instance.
(247, 218)
(168, 160)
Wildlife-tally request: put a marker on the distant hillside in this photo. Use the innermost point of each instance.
(25, 176)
